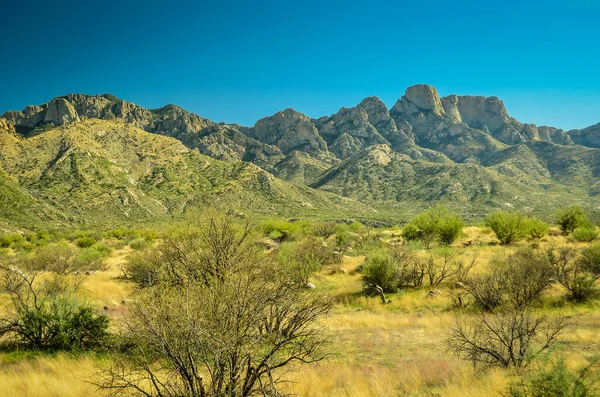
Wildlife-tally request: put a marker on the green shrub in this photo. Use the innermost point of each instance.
(10, 240)
(572, 218)
(411, 232)
(324, 229)
(60, 324)
(508, 227)
(437, 223)
(128, 235)
(279, 230)
(102, 247)
(536, 228)
(343, 241)
(590, 260)
(585, 234)
(449, 229)
(57, 258)
(90, 259)
(142, 267)
(85, 241)
(150, 235)
(356, 227)
(38, 239)
(303, 258)
(575, 274)
(557, 380)
(64, 259)
(49, 316)
(139, 244)
(392, 269)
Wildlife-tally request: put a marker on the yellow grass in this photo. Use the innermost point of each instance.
(378, 350)
(48, 377)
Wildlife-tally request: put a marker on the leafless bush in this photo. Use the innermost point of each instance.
(436, 274)
(517, 280)
(506, 339)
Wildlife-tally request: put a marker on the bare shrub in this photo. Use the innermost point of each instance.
(436, 274)
(517, 280)
(506, 339)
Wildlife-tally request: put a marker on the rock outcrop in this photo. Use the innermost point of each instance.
(6, 127)
(289, 130)
(60, 112)
(587, 137)
(464, 129)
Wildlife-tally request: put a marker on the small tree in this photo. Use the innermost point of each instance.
(571, 218)
(222, 319)
(436, 274)
(517, 280)
(487, 290)
(508, 227)
(526, 274)
(590, 259)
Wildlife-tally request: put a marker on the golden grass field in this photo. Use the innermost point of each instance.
(377, 350)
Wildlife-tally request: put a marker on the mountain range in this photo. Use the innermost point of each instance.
(82, 159)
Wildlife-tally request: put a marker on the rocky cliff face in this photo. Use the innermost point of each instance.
(464, 129)
(289, 130)
(589, 137)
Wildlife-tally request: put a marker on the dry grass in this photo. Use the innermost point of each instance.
(59, 376)
(378, 350)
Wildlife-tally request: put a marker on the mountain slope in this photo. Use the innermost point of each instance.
(392, 180)
(99, 171)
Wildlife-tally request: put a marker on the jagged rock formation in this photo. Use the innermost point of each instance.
(424, 149)
(289, 130)
(589, 137)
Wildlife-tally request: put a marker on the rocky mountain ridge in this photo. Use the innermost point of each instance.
(424, 149)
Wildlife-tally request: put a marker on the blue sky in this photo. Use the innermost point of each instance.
(238, 61)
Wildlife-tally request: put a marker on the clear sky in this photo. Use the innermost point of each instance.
(238, 61)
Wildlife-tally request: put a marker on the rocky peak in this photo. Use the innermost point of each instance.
(376, 110)
(479, 112)
(421, 98)
(289, 130)
(60, 112)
